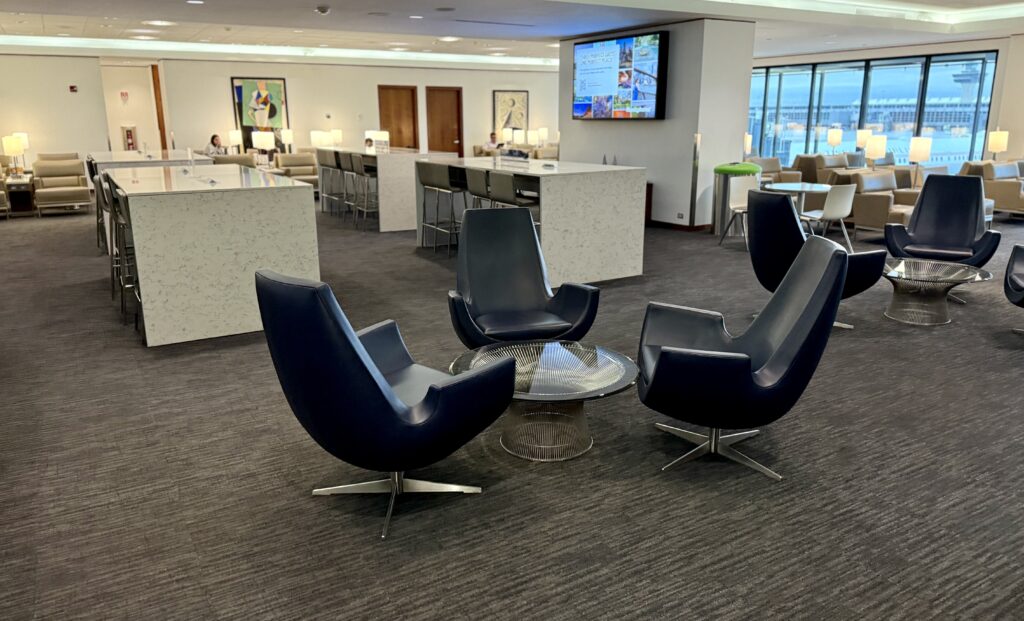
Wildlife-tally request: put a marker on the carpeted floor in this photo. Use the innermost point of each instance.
(174, 483)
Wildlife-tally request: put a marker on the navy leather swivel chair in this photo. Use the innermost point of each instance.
(361, 396)
(948, 224)
(775, 238)
(502, 291)
(1013, 282)
(694, 370)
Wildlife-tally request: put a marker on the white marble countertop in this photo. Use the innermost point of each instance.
(180, 179)
(538, 168)
(392, 151)
(111, 157)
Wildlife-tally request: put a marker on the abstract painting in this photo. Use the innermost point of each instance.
(261, 104)
(511, 110)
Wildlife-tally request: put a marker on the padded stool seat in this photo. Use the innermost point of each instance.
(522, 325)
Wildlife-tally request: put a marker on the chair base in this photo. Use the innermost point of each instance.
(395, 484)
(717, 444)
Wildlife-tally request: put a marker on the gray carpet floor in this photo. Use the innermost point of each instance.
(174, 482)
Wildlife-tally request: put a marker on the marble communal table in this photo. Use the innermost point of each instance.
(104, 160)
(591, 216)
(396, 183)
(200, 236)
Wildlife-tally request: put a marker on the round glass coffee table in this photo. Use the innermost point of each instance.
(920, 288)
(546, 421)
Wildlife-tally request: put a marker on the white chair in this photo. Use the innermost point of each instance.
(738, 189)
(838, 206)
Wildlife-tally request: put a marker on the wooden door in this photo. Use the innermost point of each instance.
(444, 119)
(399, 115)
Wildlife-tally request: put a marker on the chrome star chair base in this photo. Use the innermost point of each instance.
(717, 444)
(395, 484)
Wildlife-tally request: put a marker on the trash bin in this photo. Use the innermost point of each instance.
(723, 177)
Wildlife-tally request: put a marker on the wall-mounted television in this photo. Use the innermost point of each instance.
(621, 78)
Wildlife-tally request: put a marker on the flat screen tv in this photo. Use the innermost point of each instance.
(621, 78)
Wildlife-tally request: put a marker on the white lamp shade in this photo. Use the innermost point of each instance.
(835, 137)
(382, 136)
(998, 141)
(287, 136)
(24, 139)
(862, 138)
(318, 138)
(748, 144)
(263, 140)
(235, 137)
(532, 137)
(519, 136)
(875, 148)
(507, 134)
(542, 133)
(337, 137)
(370, 133)
(13, 146)
(920, 149)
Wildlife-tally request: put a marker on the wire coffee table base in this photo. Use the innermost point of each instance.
(919, 304)
(538, 431)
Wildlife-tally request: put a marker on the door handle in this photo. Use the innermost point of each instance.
(455, 142)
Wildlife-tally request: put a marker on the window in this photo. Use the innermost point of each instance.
(894, 88)
(786, 109)
(836, 105)
(755, 121)
(956, 107)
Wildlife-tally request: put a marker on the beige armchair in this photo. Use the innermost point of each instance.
(878, 201)
(816, 168)
(480, 150)
(549, 152)
(298, 166)
(772, 171)
(242, 159)
(60, 184)
(1004, 186)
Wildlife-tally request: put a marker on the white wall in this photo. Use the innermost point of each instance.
(138, 110)
(198, 97)
(35, 98)
(708, 90)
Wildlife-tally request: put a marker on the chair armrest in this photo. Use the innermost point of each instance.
(872, 210)
(462, 321)
(863, 271)
(1005, 192)
(714, 382)
(470, 401)
(906, 197)
(384, 343)
(790, 176)
(576, 304)
(668, 325)
(896, 237)
(985, 247)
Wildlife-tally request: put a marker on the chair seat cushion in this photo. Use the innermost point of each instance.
(521, 325)
(815, 214)
(1018, 281)
(63, 196)
(939, 253)
(412, 383)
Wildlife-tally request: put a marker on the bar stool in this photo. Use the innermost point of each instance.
(436, 177)
(348, 181)
(504, 192)
(127, 276)
(101, 208)
(329, 175)
(364, 179)
(478, 184)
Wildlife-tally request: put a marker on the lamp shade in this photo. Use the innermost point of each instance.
(519, 136)
(263, 140)
(998, 141)
(835, 137)
(287, 136)
(875, 147)
(13, 146)
(532, 137)
(337, 137)
(319, 138)
(542, 133)
(382, 136)
(748, 143)
(862, 138)
(920, 149)
(507, 134)
(24, 139)
(235, 137)
(370, 133)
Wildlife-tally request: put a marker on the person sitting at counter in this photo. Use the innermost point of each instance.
(368, 143)
(492, 144)
(215, 147)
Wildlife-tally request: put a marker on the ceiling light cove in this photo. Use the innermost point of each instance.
(450, 39)
(159, 22)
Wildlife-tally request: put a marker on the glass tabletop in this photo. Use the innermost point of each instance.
(798, 187)
(557, 370)
(926, 270)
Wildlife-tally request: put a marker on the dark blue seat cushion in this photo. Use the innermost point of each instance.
(524, 324)
(939, 253)
(1018, 281)
(411, 383)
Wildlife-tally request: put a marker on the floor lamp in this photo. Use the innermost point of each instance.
(920, 151)
(998, 141)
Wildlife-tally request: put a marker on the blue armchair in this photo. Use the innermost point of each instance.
(361, 396)
(502, 291)
(694, 370)
(948, 224)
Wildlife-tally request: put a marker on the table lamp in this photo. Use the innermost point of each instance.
(13, 147)
(337, 137)
(862, 138)
(519, 136)
(507, 135)
(542, 135)
(998, 142)
(24, 139)
(532, 137)
(235, 139)
(920, 151)
(875, 148)
(835, 138)
(748, 144)
(287, 139)
(264, 141)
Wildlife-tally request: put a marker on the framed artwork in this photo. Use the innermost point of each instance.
(511, 110)
(261, 104)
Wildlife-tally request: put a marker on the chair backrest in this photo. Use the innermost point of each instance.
(332, 385)
(108, 191)
(808, 166)
(875, 181)
(433, 175)
(503, 187)
(327, 158)
(48, 157)
(101, 195)
(950, 211)
(295, 160)
(357, 164)
(839, 202)
(834, 161)
(888, 160)
(774, 236)
(786, 340)
(500, 265)
(241, 159)
(856, 159)
(476, 181)
(767, 164)
(58, 173)
(1000, 170)
(739, 187)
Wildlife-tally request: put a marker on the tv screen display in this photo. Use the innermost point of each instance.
(621, 78)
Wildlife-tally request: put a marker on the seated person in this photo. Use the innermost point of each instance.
(492, 143)
(368, 143)
(215, 148)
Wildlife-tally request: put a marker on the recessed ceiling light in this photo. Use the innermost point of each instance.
(143, 31)
(431, 51)
(398, 43)
(143, 37)
(195, 2)
(399, 49)
(498, 54)
(415, 17)
(159, 22)
(298, 31)
(450, 39)
(63, 34)
(554, 45)
(497, 49)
